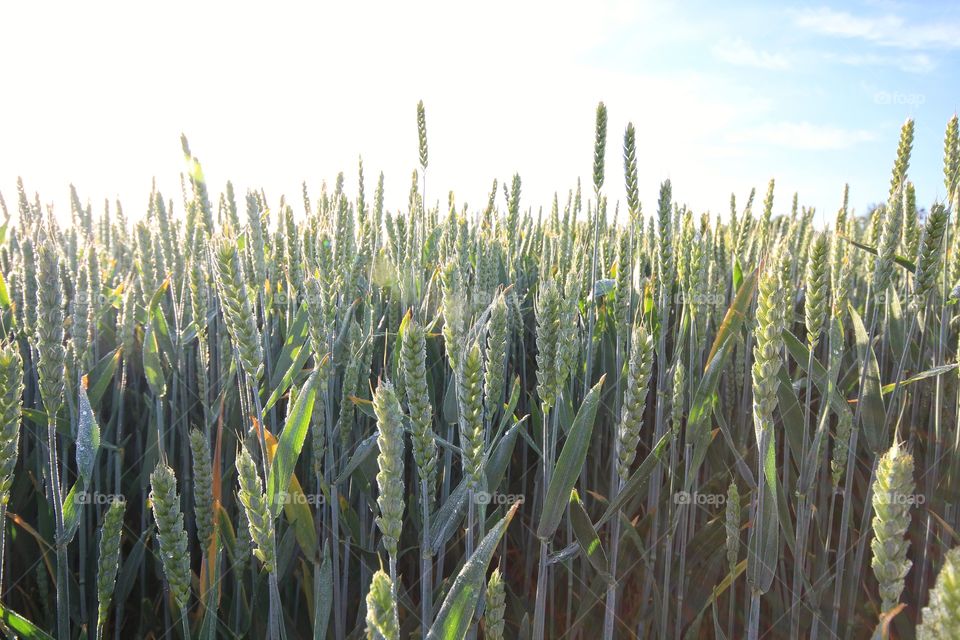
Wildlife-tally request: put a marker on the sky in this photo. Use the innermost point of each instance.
(724, 97)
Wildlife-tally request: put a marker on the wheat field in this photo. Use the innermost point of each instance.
(230, 415)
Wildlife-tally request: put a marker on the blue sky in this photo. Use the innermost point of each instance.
(724, 96)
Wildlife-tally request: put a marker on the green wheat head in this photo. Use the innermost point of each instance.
(170, 533)
(202, 487)
(639, 371)
(892, 497)
(390, 463)
(255, 508)
(381, 609)
(493, 621)
(413, 369)
(941, 616)
(11, 391)
(470, 402)
(49, 329)
(108, 560)
(237, 310)
(818, 291)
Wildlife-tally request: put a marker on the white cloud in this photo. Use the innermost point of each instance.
(272, 98)
(887, 30)
(909, 62)
(739, 52)
(803, 136)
